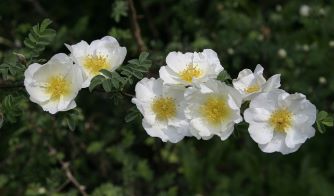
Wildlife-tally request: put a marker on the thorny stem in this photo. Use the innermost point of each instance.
(135, 27)
(68, 172)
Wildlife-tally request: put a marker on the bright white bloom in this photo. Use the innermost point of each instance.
(279, 121)
(104, 53)
(304, 10)
(249, 84)
(55, 84)
(190, 68)
(162, 109)
(212, 108)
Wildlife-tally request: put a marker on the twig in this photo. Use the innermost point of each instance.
(68, 172)
(62, 186)
(66, 167)
(7, 85)
(128, 94)
(6, 42)
(135, 27)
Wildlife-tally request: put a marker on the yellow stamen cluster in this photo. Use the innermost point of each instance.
(215, 110)
(252, 89)
(164, 108)
(191, 72)
(57, 86)
(281, 120)
(95, 63)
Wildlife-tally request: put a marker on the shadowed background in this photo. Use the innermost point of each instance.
(111, 157)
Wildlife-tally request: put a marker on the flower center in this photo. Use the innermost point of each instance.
(252, 89)
(281, 120)
(192, 71)
(95, 63)
(57, 86)
(164, 108)
(215, 110)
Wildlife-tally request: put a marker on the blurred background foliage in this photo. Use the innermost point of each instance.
(111, 157)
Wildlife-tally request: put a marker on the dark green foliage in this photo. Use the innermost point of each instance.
(135, 69)
(11, 67)
(39, 37)
(11, 107)
(133, 114)
(324, 120)
(119, 10)
(224, 77)
(103, 140)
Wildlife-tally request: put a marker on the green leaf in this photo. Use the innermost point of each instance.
(97, 80)
(132, 115)
(71, 124)
(28, 43)
(323, 121)
(322, 115)
(224, 76)
(95, 147)
(45, 23)
(134, 61)
(321, 128)
(120, 9)
(106, 73)
(143, 56)
(328, 121)
(107, 85)
(39, 37)
(115, 83)
(11, 107)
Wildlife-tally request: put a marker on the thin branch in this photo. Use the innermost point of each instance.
(6, 42)
(135, 27)
(66, 167)
(68, 172)
(127, 94)
(62, 186)
(7, 85)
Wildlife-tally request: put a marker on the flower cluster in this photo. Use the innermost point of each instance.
(188, 100)
(55, 84)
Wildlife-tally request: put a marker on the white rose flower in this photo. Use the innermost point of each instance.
(104, 53)
(162, 109)
(279, 121)
(190, 68)
(212, 108)
(55, 84)
(249, 84)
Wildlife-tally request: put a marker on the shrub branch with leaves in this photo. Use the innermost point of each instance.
(181, 77)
